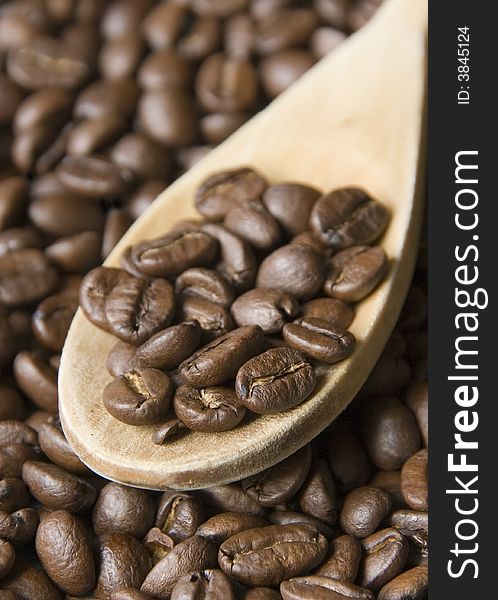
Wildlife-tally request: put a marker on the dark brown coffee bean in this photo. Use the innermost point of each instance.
(390, 481)
(7, 557)
(91, 135)
(11, 403)
(290, 517)
(164, 432)
(140, 397)
(325, 39)
(65, 553)
(56, 488)
(20, 526)
(173, 253)
(119, 57)
(27, 277)
(317, 496)
(412, 524)
(202, 585)
(47, 62)
(37, 379)
(107, 97)
(390, 433)
(56, 447)
(269, 308)
(389, 376)
(163, 68)
(262, 593)
(168, 348)
(158, 544)
(417, 399)
(348, 460)
(214, 320)
(335, 312)
(222, 190)
(334, 12)
(411, 584)
(13, 494)
(226, 84)
(347, 217)
(211, 409)
(216, 127)
(27, 582)
(168, 116)
(280, 70)
(219, 361)
(65, 215)
(77, 253)
(205, 283)
(355, 272)
(194, 554)
(414, 484)
(47, 106)
(93, 177)
(123, 17)
(385, 556)
(319, 340)
(132, 309)
(145, 158)
(117, 224)
(123, 561)
(226, 524)
(12, 96)
(257, 557)
(179, 515)
(322, 588)
(291, 204)
(363, 510)
(138, 202)
(51, 320)
(238, 264)
(253, 223)
(121, 359)
(121, 509)
(13, 201)
(38, 418)
(17, 432)
(230, 498)
(18, 238)
(293, 268)
(276, 380)
(286, 29)
(342, 559)
(279, 483)
(202, 38)
(163, 24)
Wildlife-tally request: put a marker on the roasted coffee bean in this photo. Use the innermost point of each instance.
(389, 376)
(91, 135)
(119, 57)
(411, 584)
(390, 433)
(93, 177)
(216, 127)
(276, 380)
(123, 562)
(47, 62)
(291, 204)
(325, 39)
(347, 217)
(168, 116)
(230, 498)
(293, 268)
(348, 460)
(27, 277)
(163, 68)
(202, 38)
(37, 419)
(287, 28)
(13, 201)
(417, 399)
(385, 554)
(158, 544)
(140, 397)
(214, 320)
(11, 403)
(363, 510)
(279, 483)
(123, 17)
(206, 284)
(57, 449)
(7, 558)
(13, 494)
(203, 585)
(179, 515)
(142, 156)
(253, 223)
(29, 583)
(143, 196)
(412, 524)
(56, 488)
(319, 340)
(315, 586)
(262, 593)
(219, 192)
(18, 238)
(211, 409)
(390, 481)
(107, 97)
(12, 96)
(290, 517)
(65, 214)
(132, 309)
(414, 484)
(164, 432)
(37, 379)
(77, 253)
(355, 272)
(219, 361)
(168, 348)
(173, 253)
(317, 497)
(65, 553)
(226, 524)
(342, 559)
(335, 312)
(17, 432)
(238, 264)
(52, 319)
(117, 224)
(121, 359)
(269, 308)
(280, 70)
(163, 24)
(47, 106)
(269, 555)
(194, 554)
(20, 526)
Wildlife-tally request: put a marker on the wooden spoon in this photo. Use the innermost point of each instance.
(356, 118)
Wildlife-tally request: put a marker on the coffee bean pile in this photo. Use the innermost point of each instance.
(265, 303)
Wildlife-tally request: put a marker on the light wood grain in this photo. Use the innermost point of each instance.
(355, 118)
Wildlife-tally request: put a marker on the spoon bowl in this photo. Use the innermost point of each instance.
(356, 118)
